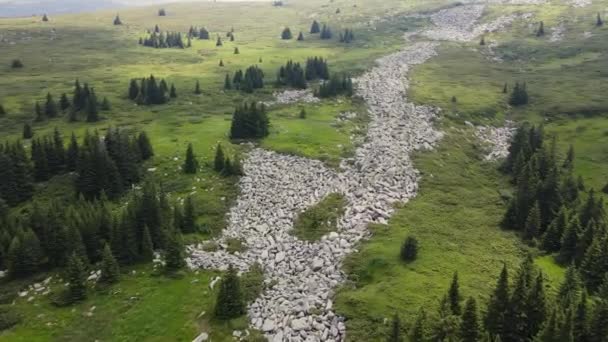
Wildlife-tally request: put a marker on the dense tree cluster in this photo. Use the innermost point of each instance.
(110, 165)
(518, 310)
(150, 92)
(200, 33)
(252, 79)
(347, 37)
(291, 74)
(554, 209)
(316, 68)
(519, 95)
(249, 122)
(86, 233)
(16, 183)
(336, 86)
(326, 33)
(84, 100)
(163, 40)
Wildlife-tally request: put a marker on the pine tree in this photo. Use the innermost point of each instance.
(105, 104)
(469, 327)
(219, 41)
(300, 36)
(286, 34)
(395, 332)
(599, 22)
(227, 82)
(2, 111)
(64, 102)
(229, 303)
(569, 242)
(76, 275)
(173, 92)
(39, 113)
(532, 227)
(117, 20)
(495, 319)
(189, 219)
(110, 271)
(218, 164)
(454, 296)
(221, 63)
(72, 153)
(536, 307)
(302, 113)
(541, 29)
(146, 250)
(550, 330)
(197, 88)
(190, 164)
(174, 252)
(50, 107)
(144, 146)
(45, 18)
(27, 131)
(315, 28)
(420, 330)
(580, 330)
(236, 51)
(133, 90)
(570, 290)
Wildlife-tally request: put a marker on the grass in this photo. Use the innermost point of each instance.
(320, 219)
(456, 220)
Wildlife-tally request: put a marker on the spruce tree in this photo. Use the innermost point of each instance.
(286, 34)
(50, 107)
(72, 154)
(221, 63)
(146, 249)
(76, 276)
(173, 92)
(454, 296)
(599, 22)
(541, 29)
(395, 332)
(174, 252)
(39, 113)
(550, 330)
(230, 303)
(27, 131)
(580, 326)
(144, 146)
(190, 164)
(571, 289)
(92, 111)
(236, 51)
(189, 218)
(64, 102)
(300, 36)
(2, 111)
(536, 307)
(469, 327)
(105, 104)
(218, 164)
(117, 20)
(315, 28)
(569, 242)
(227, 82)
(532, 227)
(302, 113)
(110, 271)
(133, 90)
(420, 330)
(45, 18)
(197, 88)
(219, 41)
(495, 319)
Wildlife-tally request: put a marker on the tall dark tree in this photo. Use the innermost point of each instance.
(300, 36)
(495, 319)
(2, 111)
(469, 327)
(315, 28)
(230, 303)
(420, 331)
(64, 102)
(541, 29)
(144, 145)
(27, 131)
(197, 88)
(218, 163)
(117, 20)
(190, 164)
(454, 296)
(599, 22)
(76, 276)
(110, 271)
(395, 332)
(50, 107)
(189, 218)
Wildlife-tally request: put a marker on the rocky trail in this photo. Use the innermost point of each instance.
(298, 306)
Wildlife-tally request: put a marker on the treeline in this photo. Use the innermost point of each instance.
(150, 92)
(249, 122)
(165, 40)
(251, 79)
(52, 235)
(518, 310)
(553, 209)
(84, 104)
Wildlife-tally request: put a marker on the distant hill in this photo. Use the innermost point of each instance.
(21, 8)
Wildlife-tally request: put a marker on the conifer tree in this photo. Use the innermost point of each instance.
(72, 153)
(197, 88)
(570, 290)
(162, 12)
(315, 28)
(92, 111)
(110, 271)
(133, 90)
(189, 218)
(395, 332)
(76, 275)
(550, 330)
(24, 255)
(420, 330)
(302, 113)
(144, 146)
(190, 164)
(146, 250)
(505, 88)
(580, 326)
(236, 51)
(541, 29)
(469, 327)
(203, 34)
(300, 36)
(64, 102)
(532, 227)
(286, 34)
(569, 241)
(599, 22)
(27, 131)
(39, 113)
(227, 82)
(173, 92)
(105, 104)
(219, 41)
(482, 42)
(454, 296)
(50, 107)
(117, 20)
(174, 252)
(495, 319)
(221, 63)
(16, 64)
(2, 111)
(230, 303)
(218, 164)
(536, 307)
(45, 18)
